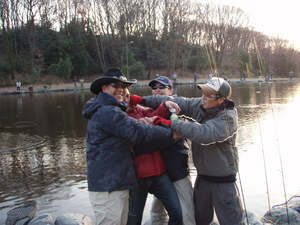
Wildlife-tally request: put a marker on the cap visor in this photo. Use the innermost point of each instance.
(157, 81)
(207, 90)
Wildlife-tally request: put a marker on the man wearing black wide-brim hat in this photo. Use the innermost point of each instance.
(111, 75)
(109, 138)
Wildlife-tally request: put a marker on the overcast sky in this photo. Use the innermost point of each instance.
(278, 18)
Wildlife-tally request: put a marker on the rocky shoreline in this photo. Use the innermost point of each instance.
(285, 214)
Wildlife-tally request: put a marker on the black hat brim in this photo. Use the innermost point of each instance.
(96, 85)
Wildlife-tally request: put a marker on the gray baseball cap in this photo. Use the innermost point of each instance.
(216, 85)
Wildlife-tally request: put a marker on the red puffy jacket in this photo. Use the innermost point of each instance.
(149, 164)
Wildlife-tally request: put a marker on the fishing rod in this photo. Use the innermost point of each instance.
(211, 60)
(229, 131)
(260, 65)
(175, 117)
(275, 130)
(238, 172)
(280, 159)
(212, 63)
(259, 58)
(265, 165)
(243, 197)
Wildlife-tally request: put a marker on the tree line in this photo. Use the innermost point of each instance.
(83, 37)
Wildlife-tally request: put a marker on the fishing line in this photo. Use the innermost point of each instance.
(243, 197)
(265, 165)
(280, 158)
(259, 58)
(24, 147)
(275, 130)
(241, 186)
(186, 118)
(238, 172)
(295, 196)
(208, 56)
(211, 60)
(229, 132)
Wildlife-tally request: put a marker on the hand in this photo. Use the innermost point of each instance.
(172, 105)
(135, 99)
(162, 122)
(146, 120)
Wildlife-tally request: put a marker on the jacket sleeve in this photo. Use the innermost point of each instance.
(187, 105)
(146, 146)
(113, 121)
(216, 130)
(154, 101)
(161, 111)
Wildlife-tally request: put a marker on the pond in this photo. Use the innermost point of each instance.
(42, 153)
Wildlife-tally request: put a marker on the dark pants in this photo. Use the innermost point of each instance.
(221, 197)
(163, 189)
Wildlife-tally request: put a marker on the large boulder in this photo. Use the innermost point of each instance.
(21, 214)
(294, 203)
(253, 218)
(279, 216)
(42, 219)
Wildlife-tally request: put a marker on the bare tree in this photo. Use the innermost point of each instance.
(228, 19)
(31, 9)
(97, 27)
(5, 24)
(175, 22)
(149, 33)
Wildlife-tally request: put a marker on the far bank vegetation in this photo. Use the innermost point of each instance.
(82, 38)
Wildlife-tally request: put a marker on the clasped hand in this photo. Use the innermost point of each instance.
(154, 120)
(147, 120)
(172, 105)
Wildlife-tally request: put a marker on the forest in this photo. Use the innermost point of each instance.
(68, 38)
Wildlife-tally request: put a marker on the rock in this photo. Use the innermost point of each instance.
(294, 203)
(42, 219)
(279, 216)
(253, 219)
(24, 212)
(73, 219)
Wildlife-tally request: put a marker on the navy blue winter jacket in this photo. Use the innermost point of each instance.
(176, 159)
(110, 134)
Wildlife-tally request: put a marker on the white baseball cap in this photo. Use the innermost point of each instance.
(216, 86)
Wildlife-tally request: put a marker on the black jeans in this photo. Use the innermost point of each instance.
(163, 189)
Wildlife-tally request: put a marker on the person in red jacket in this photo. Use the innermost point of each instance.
(151, 173)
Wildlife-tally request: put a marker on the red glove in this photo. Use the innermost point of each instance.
(162, 122)
(135, 99)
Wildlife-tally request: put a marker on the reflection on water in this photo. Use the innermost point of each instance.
(42, 151)
(267, 132)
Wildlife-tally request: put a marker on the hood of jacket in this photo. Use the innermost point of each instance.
(229, 104)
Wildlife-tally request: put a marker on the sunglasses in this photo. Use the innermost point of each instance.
(159, 87)
(120, 85)
(211, 96)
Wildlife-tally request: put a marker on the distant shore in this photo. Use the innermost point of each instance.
(39, 88)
